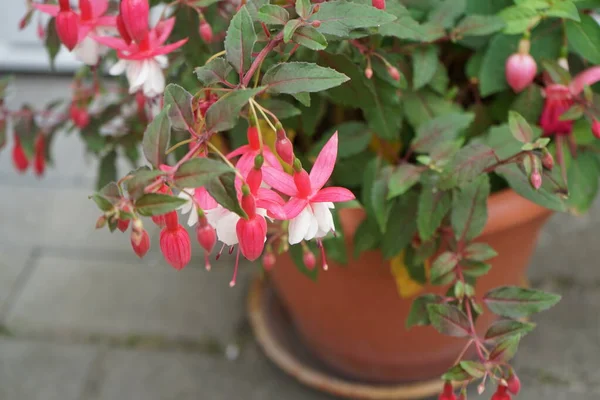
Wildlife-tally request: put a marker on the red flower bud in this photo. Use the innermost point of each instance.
(520, 71)
(547, 160)
(85, 9)
(79, 116)
(175, 246)
(64, 5)
(251, 234)
(140, 242)
(123, 224)
(448, 392)
(206, 32)
(369, 72)
(309, 259)
(316, 23)
(254, 180)
(269, 261)
(123, 30)
(253, 139)
(394, 73)
(514, 384)
(20, 160)
(171, 220)
(596, 128)
(206, 235)
(501, 394)
(536, 179)
(285, 149)
(380, 4)
(135, 15)
(67, 28)
(39, 161)
(159, 220)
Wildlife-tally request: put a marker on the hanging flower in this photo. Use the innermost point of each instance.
(143, 62)
(249, 152)
(309, 207)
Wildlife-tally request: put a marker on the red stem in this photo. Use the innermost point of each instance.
(260, 57)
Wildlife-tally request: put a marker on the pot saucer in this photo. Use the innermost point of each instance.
(276, 336)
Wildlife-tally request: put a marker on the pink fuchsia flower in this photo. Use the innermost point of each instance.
(521, 67)
(143, 62)
(560, 97)
(140, 243)
(248, 153)
(309, 206)
(251, 231)
(134, 16)
(175, 242)
(79, 29)
(200, 198)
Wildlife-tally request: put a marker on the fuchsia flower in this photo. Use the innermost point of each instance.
(309, 205)
(521, 67)
(559, 98)
(251, 231)
(249, 152)
(134, 18)
(19, 158)
(144, 61)
(77, 31)
(175, 242)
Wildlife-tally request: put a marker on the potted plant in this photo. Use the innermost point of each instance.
(402, 155)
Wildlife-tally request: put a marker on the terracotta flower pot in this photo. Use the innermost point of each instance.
(353, 319)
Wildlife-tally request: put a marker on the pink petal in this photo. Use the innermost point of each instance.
(271, 159)
(99, 7)
(269, 195)
(294, 207)
(332, 194)
(279, 180)
(272, 202)
(321, 171)
(106, 20)
(585, 78)
(204, 199)
(84, 30)
(169, 48)
(245, 163)
(112, 42)
(164, 28)
(47, 9)
(239, 151)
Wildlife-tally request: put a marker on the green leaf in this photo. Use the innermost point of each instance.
(296, 77)
(157, 204)
(479, 252)
(448, 320)
(443, 265)
(282, 109)
(575, 112)
(403, 178)
(467, 165)
(446, 12)
(582, 177)
(289, 29)
(377, 205)
(457, 374)
(505, 350)
(198, 172)
(424, 105)
(254, 6)
(140, 180)
(367, 237)
(312, 115)
(354, 138)
(107, 196)
(405, 27)
(516, 302)
(271, 14)
(107, 170)
(400, 226)
(529, 103)
(418, 315)
(215, 71)
(223, 114)
(2, 133)
(519, 127)
(487, 7)
(52, 41)
(584, 38)
(506, 328)
(156, 138)
(303, 8)
(474, 368)
(433, 206)
(303, 98)
(519, 18)
(179, 102)
(469, 209)
(222, 189)
(308, 36)
(557, 73)
(240, 40)
(383, 110)
(425, 63)
(440, 79)
(478, 25)
(441, 129)
(563, 9)
(339, 18)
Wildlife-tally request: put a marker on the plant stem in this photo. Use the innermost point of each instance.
(260, 57)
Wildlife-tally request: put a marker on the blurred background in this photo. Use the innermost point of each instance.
(81, 318)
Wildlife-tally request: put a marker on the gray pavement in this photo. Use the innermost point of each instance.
(81, 318)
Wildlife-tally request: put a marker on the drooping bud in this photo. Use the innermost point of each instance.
(206, 235)
(501, 393)
(140, 242)
(254, 179)
(302, 181)
(135, 15)
(79, 116)
(176, 246)
(394, 73)
(251, 235)
(379, 4)
(101, 222)
(309, 259)
(39, 161)
(520, 68)
(123, 224)
(269, 260)
(159, 220)
(547, 160)
(253, 137)
(67, 28)
(596, 128)
(447, 393)
(369, 72)
(86, 10)
(171, 220)
(514, 384)
(19, 158)
(316, 23)
(123, 30)
(536, 179)
(206, 32)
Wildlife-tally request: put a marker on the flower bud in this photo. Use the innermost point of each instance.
(67, 28)
(86, 10)
(206, 32)
(380, 4)
(520, 71)
(171, 220)
(123, 30)
(369, 72)
(253, 137)
(547, 160)
(206, 235)
(19, 158)
(447, 393)
(251, 235)
(316, 23)
(501, 394)
(596, 128)
(159, 220)
(39, 161)
(309, 260)
(514, 384)
(394, 73)
(536, 179)
(285, 149)
(269, 261)
(176, 246)
(140, 242)
(101, 222)
(137, 225)
(135, 15)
